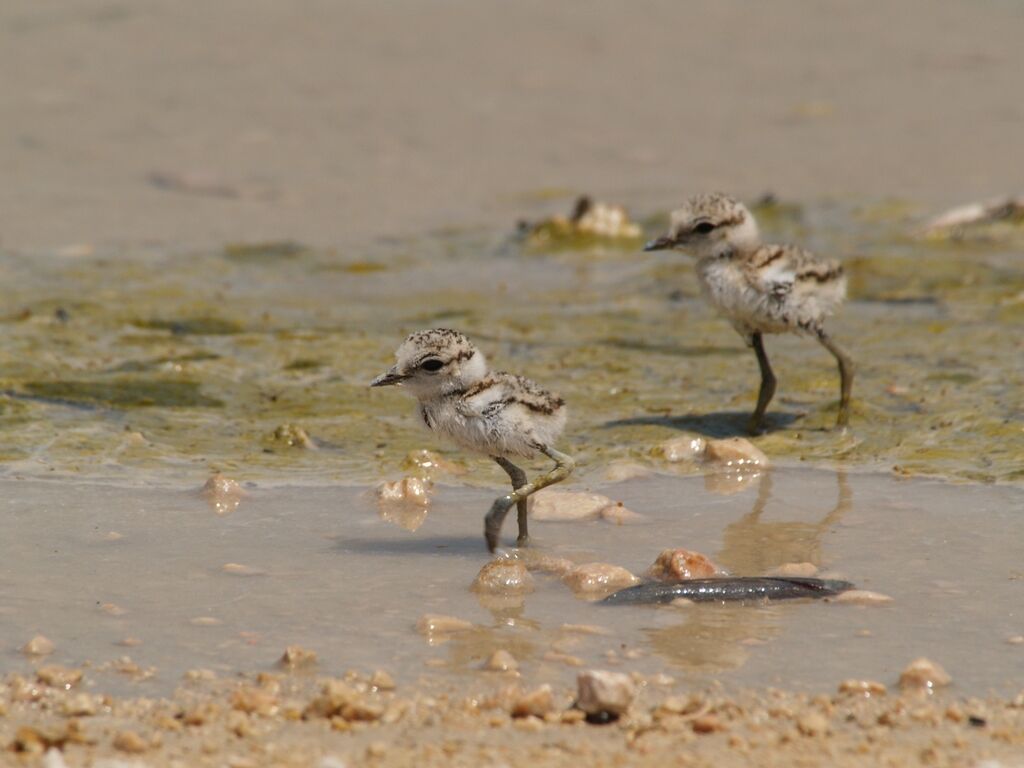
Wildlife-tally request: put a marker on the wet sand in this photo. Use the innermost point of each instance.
(191, 124)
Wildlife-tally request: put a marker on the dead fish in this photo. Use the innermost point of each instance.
(728, 589)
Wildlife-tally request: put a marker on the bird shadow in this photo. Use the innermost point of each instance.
(418, 545)
(718, 424)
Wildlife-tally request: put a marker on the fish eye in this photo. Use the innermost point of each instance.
(432, 365)
(704, 227)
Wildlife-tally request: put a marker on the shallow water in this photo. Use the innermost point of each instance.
(157, 367)
(328, 573)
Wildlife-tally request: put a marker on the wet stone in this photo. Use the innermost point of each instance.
(861, 597)
(598, 579)
(438, 624)
(734, 453)
(501, 661)
(566, 506)
(222, 494)
(679, 564)
(38, 646)
(503, 577)
(924, 674)
(536, 703)
(865, 688)
(295, 657)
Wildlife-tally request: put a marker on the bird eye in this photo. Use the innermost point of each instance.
(704, 227)
(432, 365)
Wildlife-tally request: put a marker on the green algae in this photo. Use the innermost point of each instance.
(125, 393)
(209, 357)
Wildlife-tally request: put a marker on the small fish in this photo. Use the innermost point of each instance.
(728, 589)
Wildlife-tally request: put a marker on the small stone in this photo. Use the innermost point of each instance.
(503, 576)
(687, 448)
(924, 674)
(112, 609)
(861, 597)
(57, 676)
(597, 579)
(131, 742)
(602, 692)
(404, 502)
(501, 661)
(427, 465)
(537, 703)
(439, 624)
(254, 701)
(679, 564)
(79, 705)
(294, 436)
(789, 570)
(223, 494)
(734, 453)
(617, 514)
(205, 621)
(376, 749)
(585, 629)
(620, 471)
(296, 656)
(1015, 640)
(812, 724)
(38, 646)
(708, 724)
(865, 688)
(382, 681)
(237, 569)
(566, 506)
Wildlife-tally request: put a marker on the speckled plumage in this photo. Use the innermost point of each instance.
(759, 288)
(492, 412)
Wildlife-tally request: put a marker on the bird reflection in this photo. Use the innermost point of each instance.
(715, 637)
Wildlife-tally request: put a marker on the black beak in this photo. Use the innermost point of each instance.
(388, 379)
(660, 244)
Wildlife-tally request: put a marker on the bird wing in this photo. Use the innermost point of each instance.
(778, 269)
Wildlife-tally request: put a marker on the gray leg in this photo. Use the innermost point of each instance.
(767, 390)
(846, 368)
(518, 478)
(564, 466)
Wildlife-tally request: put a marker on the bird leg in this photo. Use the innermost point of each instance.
(518, 478)
(767, 390)
(846, 368)
(564, 466)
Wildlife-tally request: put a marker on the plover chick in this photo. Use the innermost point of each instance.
(759, 288)
(491, 412)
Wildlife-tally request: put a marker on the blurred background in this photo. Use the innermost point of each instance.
(201, 123)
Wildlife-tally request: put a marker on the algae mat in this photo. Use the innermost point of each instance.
(254, 360)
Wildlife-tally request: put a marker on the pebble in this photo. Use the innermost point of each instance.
(296, 656)
(598, 579)
(382, 681)
(38, 646)
(223, 494)
(602, 692)
(501, 661)
(57, 676)
(503, 576)
(585, 629)
(813, 724)
(734, 453)
(790, 570)
(565, 506)
(865, 688)
(237, 569)
(679, 564)
(404, 502)
(620, 471)
(924, 674)
(861, 597)
(131, 742)
(618, 514)
(205, 621)
(537, 703)
(1015, 640)
(708, 724)
(439, 624)
(113, 609)
(294, 436)
(686, 448)
(427, 464)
